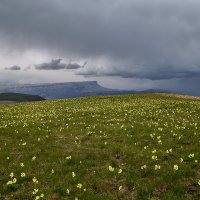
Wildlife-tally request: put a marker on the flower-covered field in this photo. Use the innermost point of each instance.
(121, 147)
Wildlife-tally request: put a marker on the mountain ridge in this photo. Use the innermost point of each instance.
(67, 90)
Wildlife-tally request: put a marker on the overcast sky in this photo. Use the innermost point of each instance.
(125, 44)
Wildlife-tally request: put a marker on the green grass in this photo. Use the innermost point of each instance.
(87, 135)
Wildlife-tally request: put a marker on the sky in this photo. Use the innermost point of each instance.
(122, 44)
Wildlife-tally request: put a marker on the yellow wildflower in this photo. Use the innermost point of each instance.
(23, 174)
(22, 164)
(175, 167)
(14, 180)
(11, 174)
(120, 187)
(33, 158)
(9, 183)
(73, 174)
(79, 185)
(111, 169)
(35, 180)
(67, 191)
(157, 167)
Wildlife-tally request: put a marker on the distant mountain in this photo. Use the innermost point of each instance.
(19, 97)
(66, 90)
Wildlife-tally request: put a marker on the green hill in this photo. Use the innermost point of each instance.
(17, 97)
(121, 147)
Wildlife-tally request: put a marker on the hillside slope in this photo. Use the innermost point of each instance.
(119, 147)
(17, 97)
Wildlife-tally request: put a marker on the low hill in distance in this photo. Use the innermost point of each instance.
(17, 97)
(67, 90)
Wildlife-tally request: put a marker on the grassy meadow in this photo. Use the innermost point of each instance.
(144, 146)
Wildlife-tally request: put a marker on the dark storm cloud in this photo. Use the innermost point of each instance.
(73, 66)
(144, 39)
(15, 68)
(56, 64)
(157, 74)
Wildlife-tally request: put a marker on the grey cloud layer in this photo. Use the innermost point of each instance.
(56, 64)
(144, 39)
(53, 65)
(158, 73)
(15, 68)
